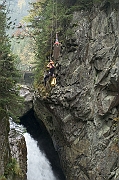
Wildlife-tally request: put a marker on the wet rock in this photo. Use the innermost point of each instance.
(19, 153)
(4, 145)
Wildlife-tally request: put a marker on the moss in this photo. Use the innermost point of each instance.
(3, 178)
(44, 91)
(13, 168)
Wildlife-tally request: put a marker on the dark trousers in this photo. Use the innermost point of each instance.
(47, 77)
(49, 74)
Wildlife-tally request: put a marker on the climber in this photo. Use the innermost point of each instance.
(56, 41)
(51, 71)
(57, 48)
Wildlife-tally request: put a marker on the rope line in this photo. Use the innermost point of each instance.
(54, 23)
(51, 46)
(56, 16)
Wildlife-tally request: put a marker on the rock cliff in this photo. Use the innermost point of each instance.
(13, 150)
(19, 154)
(82, 111)
(13, 153)
(4, 145)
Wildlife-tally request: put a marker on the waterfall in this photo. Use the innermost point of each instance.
(38, 166)
(43, 162)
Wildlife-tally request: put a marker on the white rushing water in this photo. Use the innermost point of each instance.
(38, 166)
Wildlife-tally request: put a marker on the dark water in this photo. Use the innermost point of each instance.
(39, 133)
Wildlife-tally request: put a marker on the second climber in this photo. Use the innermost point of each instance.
(51, 71)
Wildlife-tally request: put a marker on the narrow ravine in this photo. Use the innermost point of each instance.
(43, 161)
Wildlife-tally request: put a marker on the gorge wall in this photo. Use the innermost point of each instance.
(4, 145)
(13, 153)
(82, 111)
(13, 150)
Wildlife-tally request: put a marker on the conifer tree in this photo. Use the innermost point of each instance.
(8, 74)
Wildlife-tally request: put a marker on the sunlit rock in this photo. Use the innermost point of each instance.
(27, 94)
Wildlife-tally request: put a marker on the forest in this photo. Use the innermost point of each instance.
(9, 75)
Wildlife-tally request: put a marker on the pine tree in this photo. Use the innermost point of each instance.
(9, 98)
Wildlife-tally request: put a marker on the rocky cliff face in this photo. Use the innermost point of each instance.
(19, 154)
(82, 112)
(13, 154)
(4, 145)
(13, 151)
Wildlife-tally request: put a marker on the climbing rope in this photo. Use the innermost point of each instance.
(56, 45)
(51, 43)
(56, 16)
(56, 25)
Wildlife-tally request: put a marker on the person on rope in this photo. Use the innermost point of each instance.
(56, 41)
(51, 71)
(57, 48)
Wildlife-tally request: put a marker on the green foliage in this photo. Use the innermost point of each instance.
(24, 50)
(13, 169)
(45, 22)
(41, 19)
(47, 19)
(3, 178)
(77, 5)
(9, 76)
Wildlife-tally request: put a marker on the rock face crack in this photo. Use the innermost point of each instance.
(84, 170)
